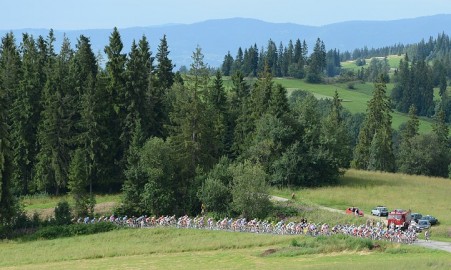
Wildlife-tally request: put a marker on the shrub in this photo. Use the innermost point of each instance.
(59, 231)
(62, 213)
(215, 195)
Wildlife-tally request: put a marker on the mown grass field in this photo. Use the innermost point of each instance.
(363, 189)
(393, 62)
(200, 249)
(203, 249)
(44, 205)
(354, 100)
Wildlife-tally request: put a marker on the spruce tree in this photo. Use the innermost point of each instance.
(217, 102)
(51, 168)
(164, 79)
(191, 131)
(374, 148)
(317, 62)
(26, 115)
(116, 87)
(227, 64)
(78, 182)
(8, 53)
(135, 178)
(85, 106)
(405, 147)
(240, 124)
(335, 136)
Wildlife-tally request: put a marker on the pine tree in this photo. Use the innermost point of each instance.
(335, 136)
(26, 110)
(135, 177)
(374, 149)
(143, 96)
(278, 104)
(227, 64)
(116, 88)
(240, 124)
(78, 180)
(138, 70)
(85, 105)
(238, 63)
(407, 134)
(441, 129)
(164, 80)
(8, 59)
(261, 93)
(54, 132)
(191, 128)
(317, 62)
(217, 101)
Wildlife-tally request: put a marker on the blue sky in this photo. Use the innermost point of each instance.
(90, 14)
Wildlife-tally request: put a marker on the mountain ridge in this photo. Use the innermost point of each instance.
(218, 36)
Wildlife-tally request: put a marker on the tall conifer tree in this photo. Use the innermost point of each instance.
(9, 78)
(374, 149)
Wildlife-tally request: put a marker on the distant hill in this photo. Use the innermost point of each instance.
(216, 37)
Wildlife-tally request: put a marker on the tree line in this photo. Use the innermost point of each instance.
(179, 143)
(72, 126)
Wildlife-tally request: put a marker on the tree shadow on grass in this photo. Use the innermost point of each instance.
(352, 181)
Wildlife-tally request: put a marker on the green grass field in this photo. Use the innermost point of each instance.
(393, 61)
(201, 249)
(363, 189)
(354, 100)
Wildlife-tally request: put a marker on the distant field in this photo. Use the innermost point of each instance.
(354, 100)
(201, 249)
(393, 61)
(44, 205)
(364, 189)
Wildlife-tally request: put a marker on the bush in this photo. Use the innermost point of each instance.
(62, 213)
(58, 231)
(280, 211)
(360, 62)
(249, 190)
(314, 78)
(215, 195)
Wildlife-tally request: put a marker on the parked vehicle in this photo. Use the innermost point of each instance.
(380, 211)
(354, 211)
(399, 218)
(422, 224)
(416, 216)
(431, 219)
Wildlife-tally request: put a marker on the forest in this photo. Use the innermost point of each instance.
(176, 143)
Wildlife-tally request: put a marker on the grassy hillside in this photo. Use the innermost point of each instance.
(199, 249)
(44, 205)
(354, 100)
(366, 190)
(393, 61)
(203, 249)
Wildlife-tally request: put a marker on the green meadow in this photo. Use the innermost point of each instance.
(164, 248)
(355, 100)
(202, 249)
(364, 189)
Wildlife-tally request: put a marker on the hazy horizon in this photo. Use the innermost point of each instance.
(104, 14)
